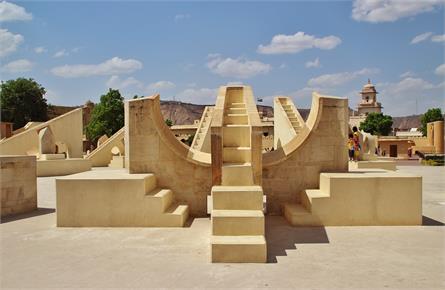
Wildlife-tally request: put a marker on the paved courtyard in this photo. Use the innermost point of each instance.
(35, 253)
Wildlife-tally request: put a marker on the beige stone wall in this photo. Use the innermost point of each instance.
(18, 184)
(402, 147)
(66, 128)
(322, 148)
(151, 147)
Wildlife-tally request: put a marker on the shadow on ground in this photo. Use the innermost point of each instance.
(37, 212)
(281, 236)
(426, 221)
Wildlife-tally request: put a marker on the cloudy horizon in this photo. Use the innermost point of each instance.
(185, 51)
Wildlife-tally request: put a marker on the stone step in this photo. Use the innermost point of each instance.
(241, 119)
(236, 136)
(236, 105)
(237, 222)
(236, 110)
(117, 162)
(176, 215)
(113, 198)
(237, 197)
(237, 174)
(297, 215)
(310, 195)
(237, 154)
(161, 199)
(238, 249)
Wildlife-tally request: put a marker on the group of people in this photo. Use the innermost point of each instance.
(354, 145)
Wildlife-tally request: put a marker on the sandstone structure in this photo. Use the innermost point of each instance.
(305, 178)
(18, 184)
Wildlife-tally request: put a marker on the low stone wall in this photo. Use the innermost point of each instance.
(18, 184)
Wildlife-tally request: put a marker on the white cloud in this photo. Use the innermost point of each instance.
(179, 17)
(115, 82)
(237, 68)
(51, 96)
(400, 98)
(440, 70)
(161, 85)
(314, 63)
(438, 38)
(298, 42)
(421, 37)
(198, 95)
(40, 49)
(76, 49)
(113, 66)
(391, 10)
(407, 74)
(13, 12)
(333, 80)
(9, 42)
(17, 66)
(61, 53)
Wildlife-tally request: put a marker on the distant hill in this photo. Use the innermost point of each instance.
(407, 122)
(186, 113)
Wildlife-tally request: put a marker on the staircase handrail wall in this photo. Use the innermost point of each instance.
(67, 128)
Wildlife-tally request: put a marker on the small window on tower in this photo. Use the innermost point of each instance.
(367, 99)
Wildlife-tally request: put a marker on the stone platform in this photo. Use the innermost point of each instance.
(362, 197)
(114, 198)
(380, 257)
(59, 167)
(373, 164)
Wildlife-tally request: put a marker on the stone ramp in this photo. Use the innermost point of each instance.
(360, 198)
(102, 156)
(238, 234)
(201, 141)
(114, 198)
(288, 122)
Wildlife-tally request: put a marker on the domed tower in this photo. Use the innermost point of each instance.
(369, 103)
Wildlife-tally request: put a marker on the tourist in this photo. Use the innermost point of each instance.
(351, 147)
(356, 138)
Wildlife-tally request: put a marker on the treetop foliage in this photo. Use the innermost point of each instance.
(22, 101)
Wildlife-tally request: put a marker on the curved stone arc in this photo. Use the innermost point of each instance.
(281, 154)
(47, 143)
(179, 148)
(66, 128)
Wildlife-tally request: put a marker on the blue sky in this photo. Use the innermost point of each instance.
(186, 50)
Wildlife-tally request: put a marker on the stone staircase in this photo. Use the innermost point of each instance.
(359, 198)
(201, 141)
(291, 113)
(114, 198)
(117, 161)
(238, 231)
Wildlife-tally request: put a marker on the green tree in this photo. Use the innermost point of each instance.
(21, 101)
(168, 122)
(107, 116)
(377, 124)
(434, 114)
